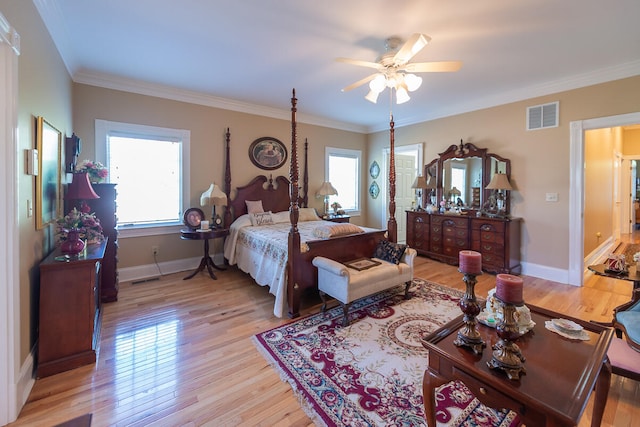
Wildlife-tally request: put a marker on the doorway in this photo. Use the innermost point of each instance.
(409, 164)
(576, 269)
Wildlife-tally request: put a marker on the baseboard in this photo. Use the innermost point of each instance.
(544, 272)
(144, 272)
(25, 381)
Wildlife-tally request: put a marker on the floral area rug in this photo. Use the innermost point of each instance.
(369, 373)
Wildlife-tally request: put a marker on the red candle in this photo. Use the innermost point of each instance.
(509, 288)
(470, 262)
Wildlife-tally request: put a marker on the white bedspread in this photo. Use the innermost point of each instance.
(262, 252)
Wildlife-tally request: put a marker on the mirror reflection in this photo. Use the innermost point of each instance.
(459, 180)
(462, 181)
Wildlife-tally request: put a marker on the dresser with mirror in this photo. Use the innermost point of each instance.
(463, 214)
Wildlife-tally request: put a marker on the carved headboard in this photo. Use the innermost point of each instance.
(275, 198)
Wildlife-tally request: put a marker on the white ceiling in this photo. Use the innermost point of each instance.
(247, 55)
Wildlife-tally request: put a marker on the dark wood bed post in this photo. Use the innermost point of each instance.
(305, 179)
(293, 288)
(227, 182)
(392, 225)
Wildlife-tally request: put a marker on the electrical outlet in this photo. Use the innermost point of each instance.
(155, 250)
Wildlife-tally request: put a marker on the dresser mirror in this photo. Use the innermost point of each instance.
(462, 173)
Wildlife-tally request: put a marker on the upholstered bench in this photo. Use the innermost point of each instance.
(347, 284)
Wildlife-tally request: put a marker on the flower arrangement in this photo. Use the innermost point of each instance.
(335, 206)
(87, 223)
(97, 171)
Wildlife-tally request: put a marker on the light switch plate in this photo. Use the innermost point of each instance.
(551, 197)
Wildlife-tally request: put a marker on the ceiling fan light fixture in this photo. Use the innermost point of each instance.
(402, 95)
(378, 83)
(412, 81)
(372, 96)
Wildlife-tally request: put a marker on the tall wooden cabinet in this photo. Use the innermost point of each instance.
(69, 326)
(442, 237)
(105, 210)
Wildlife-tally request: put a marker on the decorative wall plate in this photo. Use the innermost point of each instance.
(374, 170)
(374, 190)
(193, 217)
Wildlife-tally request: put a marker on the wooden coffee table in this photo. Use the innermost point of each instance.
(560, 372)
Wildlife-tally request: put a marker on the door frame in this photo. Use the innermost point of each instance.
(418, 149)
(10, 405)
(577, 269)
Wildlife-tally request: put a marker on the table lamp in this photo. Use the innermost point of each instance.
(499, 182)
(81, 189)
(431, 186)
(327, 190)
(214, 196)
(419, 184)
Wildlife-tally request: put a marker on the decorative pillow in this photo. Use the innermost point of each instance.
(336, 229)
(280, 217)
(308, 214)
(261, 218)
(389, 251)
(254, 206)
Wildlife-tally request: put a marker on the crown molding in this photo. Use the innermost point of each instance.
(622, 71)
(161, 91)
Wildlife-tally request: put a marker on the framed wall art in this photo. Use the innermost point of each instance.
(48, 185)
(268, 153)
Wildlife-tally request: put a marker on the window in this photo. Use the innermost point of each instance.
(342, 169)
(149, 164)
(459, 181)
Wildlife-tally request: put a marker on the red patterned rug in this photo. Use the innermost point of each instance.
(369, 373)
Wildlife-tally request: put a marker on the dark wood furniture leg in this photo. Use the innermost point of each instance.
(602, 391)
(206, 262)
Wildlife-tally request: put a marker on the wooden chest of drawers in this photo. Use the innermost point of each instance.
(449, 235)
(442, 237)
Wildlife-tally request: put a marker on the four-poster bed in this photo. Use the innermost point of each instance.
(290, 273)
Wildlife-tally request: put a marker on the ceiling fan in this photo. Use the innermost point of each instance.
(394, 69)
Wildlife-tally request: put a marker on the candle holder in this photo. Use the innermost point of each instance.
(507, 356)
(468, 335)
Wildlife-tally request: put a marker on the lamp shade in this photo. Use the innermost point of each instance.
(420, 182)
(327, 189)
(455, 192)
(213, 196)
(499, 181)
(80, 188)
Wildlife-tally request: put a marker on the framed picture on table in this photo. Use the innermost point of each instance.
(48, 180)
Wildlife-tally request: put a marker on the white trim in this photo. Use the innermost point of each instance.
(576, 187)
(104, 127)
(10, 400)
(346, 152)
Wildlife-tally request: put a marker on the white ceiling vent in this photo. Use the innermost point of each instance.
(543, 116)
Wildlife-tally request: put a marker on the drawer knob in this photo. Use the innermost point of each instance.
(483, 390)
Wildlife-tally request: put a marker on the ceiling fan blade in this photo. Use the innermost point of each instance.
(360, 82)
(360, 63)
(433, 67)
(412, 46)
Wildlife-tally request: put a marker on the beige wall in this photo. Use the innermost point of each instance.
(207, 126)
(539, 159)
(598, 183)
(44, 90)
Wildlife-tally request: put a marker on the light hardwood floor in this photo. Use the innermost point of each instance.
(176, 352)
